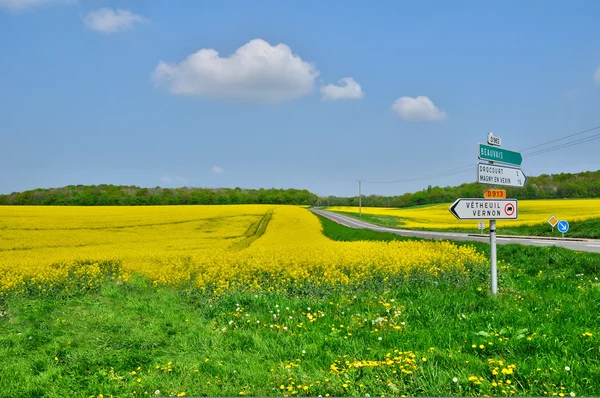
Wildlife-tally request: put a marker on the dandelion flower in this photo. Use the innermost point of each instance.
(455, 379)
(567, 368)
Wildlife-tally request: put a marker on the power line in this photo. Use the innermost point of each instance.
(462, 169)
(438, 174)
(560, 139)
(565, 145)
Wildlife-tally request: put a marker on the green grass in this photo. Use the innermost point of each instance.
(178, 340)
(588, 229)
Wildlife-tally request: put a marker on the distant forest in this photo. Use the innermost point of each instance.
(113, 195)
(553, 186)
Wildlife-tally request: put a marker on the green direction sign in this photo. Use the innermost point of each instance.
(496, 154)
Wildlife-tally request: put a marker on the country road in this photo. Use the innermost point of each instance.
(588, 245)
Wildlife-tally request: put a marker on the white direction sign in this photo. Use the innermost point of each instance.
(484, 209)
(500, 175)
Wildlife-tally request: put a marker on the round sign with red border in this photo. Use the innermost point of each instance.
(509, 209)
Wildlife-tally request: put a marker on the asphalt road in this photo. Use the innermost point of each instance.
(587, 245)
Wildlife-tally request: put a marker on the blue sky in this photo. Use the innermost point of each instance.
(250, 94)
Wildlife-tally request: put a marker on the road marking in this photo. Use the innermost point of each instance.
(593, 245)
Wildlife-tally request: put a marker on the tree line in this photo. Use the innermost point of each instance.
(119, 195)
(545, 186)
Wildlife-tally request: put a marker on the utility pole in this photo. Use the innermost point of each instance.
(360, 197)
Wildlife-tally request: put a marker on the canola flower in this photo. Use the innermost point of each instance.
(208, 247)
(531, 212)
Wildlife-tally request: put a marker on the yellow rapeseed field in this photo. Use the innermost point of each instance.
(208, 247)
(531, 212)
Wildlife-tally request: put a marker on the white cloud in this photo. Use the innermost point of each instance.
(347, 88)
(109, 21)
(418, 109)
(217, 170)
(22, 5)
(597, 76)
(256, 71)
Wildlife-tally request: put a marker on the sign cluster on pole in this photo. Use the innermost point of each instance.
(495, 206)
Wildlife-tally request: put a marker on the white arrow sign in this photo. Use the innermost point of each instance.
(484, 209)
(500, 175)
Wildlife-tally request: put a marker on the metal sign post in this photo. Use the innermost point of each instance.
(493, 267)
(481, 169)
